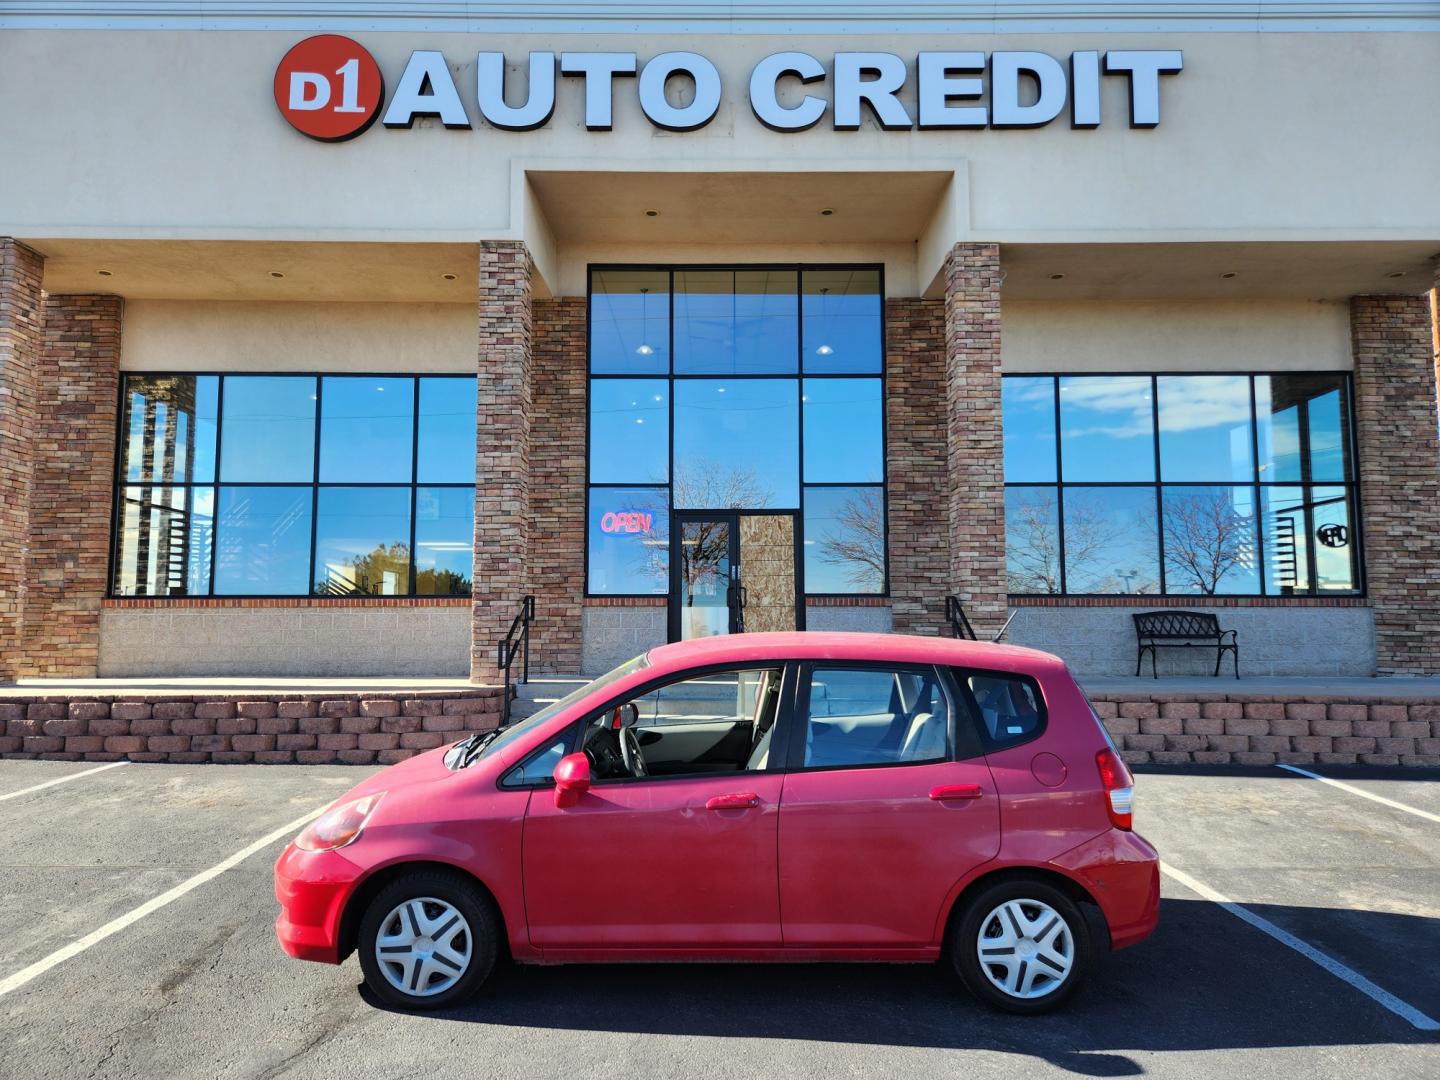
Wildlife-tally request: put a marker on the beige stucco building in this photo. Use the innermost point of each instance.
(1093, 309)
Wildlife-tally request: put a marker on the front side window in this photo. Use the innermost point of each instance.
(739, 388)
(871, 716)
(295, 485)
(1180, 485)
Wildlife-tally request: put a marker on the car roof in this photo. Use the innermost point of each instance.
(844, 645)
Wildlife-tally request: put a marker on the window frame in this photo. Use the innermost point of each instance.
(414, 484)
(1159, 486)
(957, 748)
(799, 375)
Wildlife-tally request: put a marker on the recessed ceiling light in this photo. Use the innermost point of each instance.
(1395, 274)
(448, 277)
(276, 274)
(824, 350)
(827, 211)
(1229, 274)
(104, 273)
(652, 213)
(1057, 277)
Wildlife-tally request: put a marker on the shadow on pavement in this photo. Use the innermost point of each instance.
(1204, 981)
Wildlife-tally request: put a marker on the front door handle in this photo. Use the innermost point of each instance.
(739, 800)
(955, 792)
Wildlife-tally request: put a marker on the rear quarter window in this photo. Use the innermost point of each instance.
(1009, 709)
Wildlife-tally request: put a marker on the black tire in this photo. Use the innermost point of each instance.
(465, 897)
(963, 947)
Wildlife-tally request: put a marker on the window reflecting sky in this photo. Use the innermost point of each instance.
(366, 427)
(181, 412)
(263, 542)
(736, 322)
(844, 431)
(840, 311)
(444, 540)
(447, 431)
(1028, 407)
(737, 443)
(1032, 540)
(629, 541)
(268, 425)
(1210, 540)
(1111, 541)
(630, 322)
(844, 540)
(1107, 429)
(1205, 428)
(629, 431)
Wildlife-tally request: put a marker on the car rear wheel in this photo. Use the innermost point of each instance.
(1021, 946)
(428, 940)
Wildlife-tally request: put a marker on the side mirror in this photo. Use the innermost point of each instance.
(572, 779)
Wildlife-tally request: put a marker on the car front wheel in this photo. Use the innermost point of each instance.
(428, 940)
(1021, 946)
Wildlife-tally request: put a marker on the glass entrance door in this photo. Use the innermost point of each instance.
(732, 572)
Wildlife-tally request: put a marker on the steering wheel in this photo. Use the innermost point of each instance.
(630, 751)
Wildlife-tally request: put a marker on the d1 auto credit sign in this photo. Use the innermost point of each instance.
(329, 87)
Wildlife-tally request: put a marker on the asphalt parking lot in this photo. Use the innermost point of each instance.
(198, 987)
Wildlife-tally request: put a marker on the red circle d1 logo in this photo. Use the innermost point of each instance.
(329, 88)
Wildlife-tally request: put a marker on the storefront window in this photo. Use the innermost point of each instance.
(267, 528)
(1218, 520)
(630, 322)
(736, 322)
(760, 354)
(841, 323)
(737, 443)
(629, 541)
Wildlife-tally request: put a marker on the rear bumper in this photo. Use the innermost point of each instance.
(1122, 871)
(312, 888)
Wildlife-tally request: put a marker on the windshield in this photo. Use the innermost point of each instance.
(514, 731)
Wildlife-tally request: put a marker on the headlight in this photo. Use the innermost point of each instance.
(338, 826)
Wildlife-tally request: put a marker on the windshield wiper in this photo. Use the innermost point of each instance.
(467, 750)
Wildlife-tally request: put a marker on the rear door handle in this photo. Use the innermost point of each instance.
(740, 800)
(955, 792)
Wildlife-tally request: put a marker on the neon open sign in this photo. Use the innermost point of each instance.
(627, 521)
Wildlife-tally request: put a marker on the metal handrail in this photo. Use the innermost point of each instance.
(955, 615)
(516, 640)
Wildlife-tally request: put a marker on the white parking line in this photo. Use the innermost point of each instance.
(1411, 1015)
(1365, 794)
(62, 780)
(114, 926)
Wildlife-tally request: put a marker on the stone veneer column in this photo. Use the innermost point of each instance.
(502, 461)
(1399, 458)
(975, 465)
(916, 421)
(557, 484)
(70, 495)
(21, 319)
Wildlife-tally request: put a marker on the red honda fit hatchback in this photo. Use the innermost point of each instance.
(783, 797)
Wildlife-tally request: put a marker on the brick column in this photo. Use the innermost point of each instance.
(916, 424)
(975, 465)
(557, 490)
(1399, 456)
(70, 495)
(21, 319)
(502, 462)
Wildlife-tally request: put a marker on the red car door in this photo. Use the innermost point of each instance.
(878, 820)
(681, 860)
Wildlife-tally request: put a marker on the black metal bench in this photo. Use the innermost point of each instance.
(1182, 629)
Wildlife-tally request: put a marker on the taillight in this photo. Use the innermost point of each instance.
(338, 826)
(1119, 788)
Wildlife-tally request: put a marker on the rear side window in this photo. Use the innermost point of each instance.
(871, 716)
(1009, 707)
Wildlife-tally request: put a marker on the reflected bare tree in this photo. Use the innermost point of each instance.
(1205, 539)
(1032, 543)
(859, 543)
(706, 486)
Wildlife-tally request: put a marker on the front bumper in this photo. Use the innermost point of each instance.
(312, 887)
(1122, 872)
